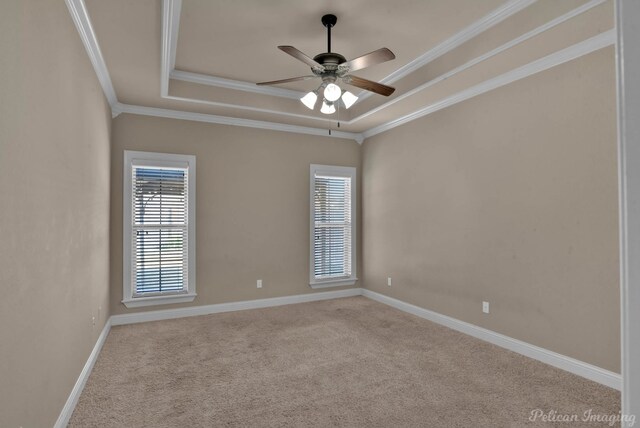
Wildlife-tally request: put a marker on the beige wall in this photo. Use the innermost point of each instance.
(511, 198)
(252, 211)
(54, 188)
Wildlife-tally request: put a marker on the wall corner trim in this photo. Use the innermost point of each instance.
(70, 405)
(577, 367)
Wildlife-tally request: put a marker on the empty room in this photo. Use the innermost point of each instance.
(414, 213)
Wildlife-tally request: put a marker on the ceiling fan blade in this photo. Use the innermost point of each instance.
(369, 85)
(367, 60)
(293, 79)
(301, 57)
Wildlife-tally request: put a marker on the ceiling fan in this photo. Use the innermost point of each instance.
(331, 67)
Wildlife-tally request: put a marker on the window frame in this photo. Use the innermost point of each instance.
(335, 171)
(152, 159)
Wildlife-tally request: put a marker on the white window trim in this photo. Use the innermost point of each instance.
(158, 159)
(338, 171)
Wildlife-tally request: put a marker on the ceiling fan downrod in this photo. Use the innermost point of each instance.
(329, 21)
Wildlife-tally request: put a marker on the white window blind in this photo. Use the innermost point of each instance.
(160, 225)
(333, 228)
(159, 250)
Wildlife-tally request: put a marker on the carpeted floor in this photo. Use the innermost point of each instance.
(347, 362)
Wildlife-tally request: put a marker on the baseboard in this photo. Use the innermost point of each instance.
(563, 362)
(560, 361)
(70, 405)
(577, 367)
(191, 311)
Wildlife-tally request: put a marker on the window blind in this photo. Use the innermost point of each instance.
(332, 228)
(159, 225)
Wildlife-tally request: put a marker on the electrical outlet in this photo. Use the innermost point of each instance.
(485, 307)
(389, 281)
(259, 283)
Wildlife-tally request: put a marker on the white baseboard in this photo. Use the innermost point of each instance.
(591, 372)
(67, 410)
(563, 362)
(191, 311)
(70, 405)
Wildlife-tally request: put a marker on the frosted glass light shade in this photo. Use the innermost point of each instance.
(332, 92)
(310, 99)
(348, 99)
(327, 108)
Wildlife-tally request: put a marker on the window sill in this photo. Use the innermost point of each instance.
(158, 300)
(333, 283)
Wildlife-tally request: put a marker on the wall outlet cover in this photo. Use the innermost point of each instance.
(485, 307)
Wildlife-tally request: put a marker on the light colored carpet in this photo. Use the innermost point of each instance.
(347, 362)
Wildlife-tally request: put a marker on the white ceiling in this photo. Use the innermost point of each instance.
(200, 59)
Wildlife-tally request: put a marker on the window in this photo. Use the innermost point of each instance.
(333, 228)
(159, 228)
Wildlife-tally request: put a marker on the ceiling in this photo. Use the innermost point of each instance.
(200, 59)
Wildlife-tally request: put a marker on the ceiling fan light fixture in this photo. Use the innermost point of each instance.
(332, 92)
(310, 99)
(331, 67)
(327, 108)
(348, 99)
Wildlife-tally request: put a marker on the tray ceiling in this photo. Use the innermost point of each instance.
(202, 58)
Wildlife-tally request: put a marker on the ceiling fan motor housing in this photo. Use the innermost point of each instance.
(331, 62)
(330, 59)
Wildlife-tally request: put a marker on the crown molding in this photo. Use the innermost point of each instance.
(234, 121)
(585, 47)
(536, 31)
(78, 11)
(326, 119)
(171, 10)
(171, 19)
(496, 16)
(575, 51)
(174, 25)
(238, 85)
(172, 14)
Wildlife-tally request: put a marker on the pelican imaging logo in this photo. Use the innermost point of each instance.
(587, 417)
